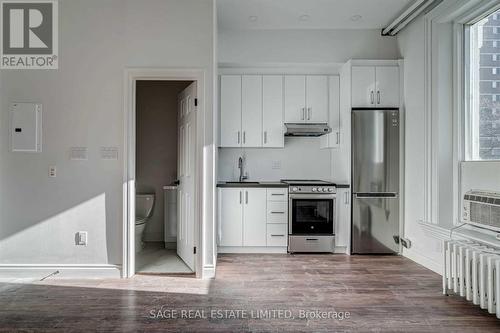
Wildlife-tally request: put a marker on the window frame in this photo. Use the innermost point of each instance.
(469, 130)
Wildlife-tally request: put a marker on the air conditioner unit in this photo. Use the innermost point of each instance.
(482, 209)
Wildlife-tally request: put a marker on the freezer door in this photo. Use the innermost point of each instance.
(375, 150)
(375, 224)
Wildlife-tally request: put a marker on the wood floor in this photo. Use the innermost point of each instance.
(381, 294)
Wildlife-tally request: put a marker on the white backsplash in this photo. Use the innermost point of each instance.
(301, 158)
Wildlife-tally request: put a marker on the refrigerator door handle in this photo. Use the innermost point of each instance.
(361, 195)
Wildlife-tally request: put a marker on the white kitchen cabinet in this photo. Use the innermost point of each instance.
(272, 111)
(295, 98)
(317, 98)
(306, 99)
(375, 86)
(363, 86)
(230, 111)
(343, 225)
(251, 110)
(254, 217)
(277, 234)
(332, 140)
(231, 216)
(387, 86)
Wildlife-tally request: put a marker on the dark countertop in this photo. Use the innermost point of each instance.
(252, 184)
(264, 184)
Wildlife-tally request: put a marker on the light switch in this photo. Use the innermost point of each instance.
(26, 123)
(52, 172)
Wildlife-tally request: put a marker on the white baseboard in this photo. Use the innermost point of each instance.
(251, 249)
(423, 260)
(69, 271)
(208, 272)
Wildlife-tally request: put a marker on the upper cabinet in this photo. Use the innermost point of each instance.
(251, 111)
(272, 111)
(306, 98)
(375, 86)
(230, 111)
(332, 140)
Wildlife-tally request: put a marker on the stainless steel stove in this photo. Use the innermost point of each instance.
(311, 216)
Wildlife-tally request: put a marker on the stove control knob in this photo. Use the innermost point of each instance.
(324, 189)
(314, 189)
(295, 189)
(330, 190)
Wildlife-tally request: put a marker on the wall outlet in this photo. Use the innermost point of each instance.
(81, 238)
(276, 165)
(52, 171)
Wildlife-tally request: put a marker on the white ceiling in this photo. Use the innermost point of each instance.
(322, 14)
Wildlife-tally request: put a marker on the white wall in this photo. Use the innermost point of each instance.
(304, 46)
(300, 159)
(83, 106)
(425, 250)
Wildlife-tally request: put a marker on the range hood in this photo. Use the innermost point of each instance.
(309, 129)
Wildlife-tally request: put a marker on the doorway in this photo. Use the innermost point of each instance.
(161, 201)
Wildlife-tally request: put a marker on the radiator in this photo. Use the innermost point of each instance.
(470, 270)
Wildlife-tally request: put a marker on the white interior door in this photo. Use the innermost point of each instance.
(186, 171)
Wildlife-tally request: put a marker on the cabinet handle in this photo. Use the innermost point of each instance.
(309, 112)
(371, 97)
(338, 137)
(312, 239)
(303, 114)
(277, 193)
(277, 212)
(238, 137)
(244, 137)
(272, 235)
(378, 97)
(265, 136)
(246, 197)
(240, 197)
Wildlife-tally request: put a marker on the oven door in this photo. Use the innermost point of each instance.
(311, 214)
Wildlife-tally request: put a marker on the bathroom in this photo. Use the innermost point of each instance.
(157, 148)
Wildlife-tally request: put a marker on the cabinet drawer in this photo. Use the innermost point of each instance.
(277, 234)
(277, 212)
(277, 194)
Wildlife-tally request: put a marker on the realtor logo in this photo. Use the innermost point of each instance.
(29, 34)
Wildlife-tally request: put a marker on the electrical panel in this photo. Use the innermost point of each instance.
(26, 127)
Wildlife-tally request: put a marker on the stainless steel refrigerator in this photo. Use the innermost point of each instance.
(375, 181)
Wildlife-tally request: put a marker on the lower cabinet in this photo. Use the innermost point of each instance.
(343, 225)
(253, 218)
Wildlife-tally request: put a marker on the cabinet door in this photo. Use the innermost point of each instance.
(295, 98)
(317, 98)
(231, 217)
(363, 86)
(343, 226)
(254, 217)
(387, 84)
(272, 111)
(332, 140)
(251, 110)
(230, 111)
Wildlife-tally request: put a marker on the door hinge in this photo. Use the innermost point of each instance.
(194, 250)
(196, 102)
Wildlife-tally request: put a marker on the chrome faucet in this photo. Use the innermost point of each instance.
(240, 166)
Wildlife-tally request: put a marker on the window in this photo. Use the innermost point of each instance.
(482, 129)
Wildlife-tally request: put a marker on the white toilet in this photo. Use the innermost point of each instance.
(144, 204)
